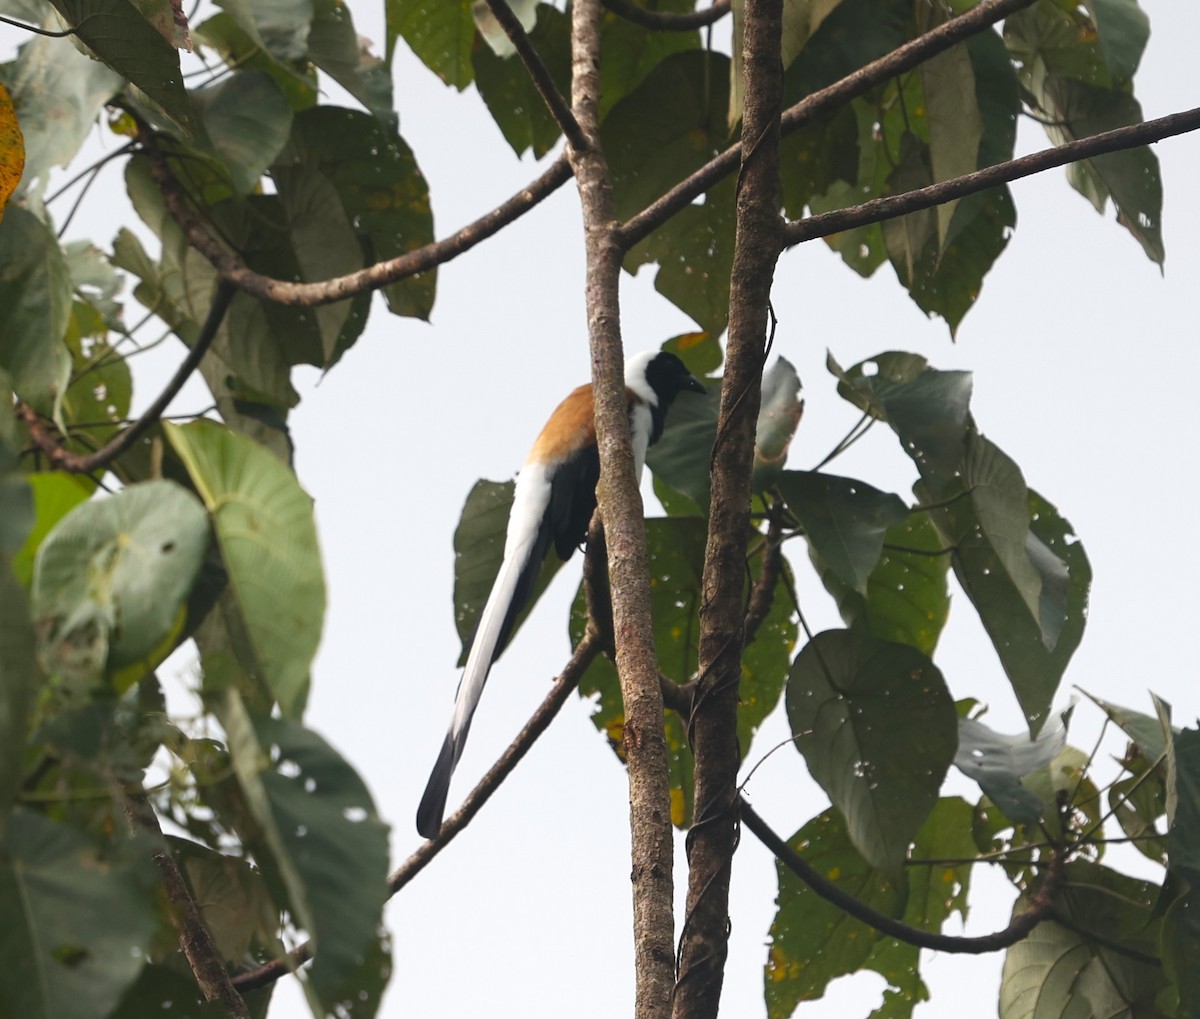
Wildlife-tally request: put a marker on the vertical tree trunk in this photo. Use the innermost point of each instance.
(620, 508)
(713, 723)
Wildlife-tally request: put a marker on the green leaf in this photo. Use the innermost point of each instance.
(264, 526)
(58, 93)
(928, 410)
(670, 125)
(335, 47)
(328, 825)
(238, 48)
(439, 32)
(682, 457)
(509, 92)
(478, 552)
(694, 252)
(246, 369)
(381, 189)
(54, 496)
(878, 729)
(907, 600)
(1185, 820)
(629, 52)
(1138, 801)
(1145, 730)
(317, 838)
(1124, 29)
(77, 924)
(98, 399)
(247, 119)
(111, 578)
(19, 683)
(35, 306)
(845, 521)
(232, 897)
(1034, 651)
(281, 27)
(954, 121)
(814, 941)
(1066, 70)
(1180, 949)
(935, 891)
(116, 32)
(1059, 971)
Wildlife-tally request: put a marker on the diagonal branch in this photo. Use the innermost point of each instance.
(669, 21)
(568, 680)
(1039, 907)
(538, 71)
(74, 463)
(879, 209)
(818, 103)
(194, 938)
(233, 270)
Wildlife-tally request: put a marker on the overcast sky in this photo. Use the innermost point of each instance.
(1085, 359)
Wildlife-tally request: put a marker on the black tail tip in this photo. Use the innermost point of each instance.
(433, 803)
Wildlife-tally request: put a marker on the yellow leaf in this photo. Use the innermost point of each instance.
(12, 149)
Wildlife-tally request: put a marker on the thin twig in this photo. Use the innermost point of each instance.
(538, 72)
(880, 209)
(1037, 910)
(567, 681)
(36, 29)
(73, 463)
(669, 21)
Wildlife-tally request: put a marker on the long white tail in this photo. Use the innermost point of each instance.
(525, 546)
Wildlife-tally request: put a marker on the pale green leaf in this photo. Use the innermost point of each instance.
(264, 525)
(110, 580)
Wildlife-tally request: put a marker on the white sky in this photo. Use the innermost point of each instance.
(1083, 355)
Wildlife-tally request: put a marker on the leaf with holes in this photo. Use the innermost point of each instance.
(878, 729)
(111, 579)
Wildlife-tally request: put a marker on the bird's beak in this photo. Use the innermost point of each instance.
(694, 385)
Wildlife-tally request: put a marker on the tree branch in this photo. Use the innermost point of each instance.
(669, 21)
(75, 463)
(620, 506)
(371, 277)
(194, 939)
(762, 595)
(823, 101)
(712, 725)
(1038, 910)
(880, 209)
(539, 721)
(538, 72)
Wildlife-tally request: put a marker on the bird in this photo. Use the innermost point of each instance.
(553, 503)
